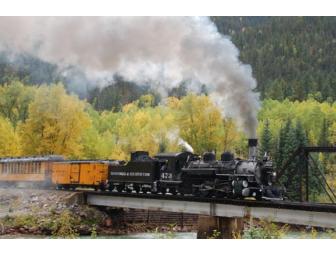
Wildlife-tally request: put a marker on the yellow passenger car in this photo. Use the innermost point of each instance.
(73, 174)
(27, 170)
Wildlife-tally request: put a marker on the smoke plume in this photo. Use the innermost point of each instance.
(160, 51)
(173, 135)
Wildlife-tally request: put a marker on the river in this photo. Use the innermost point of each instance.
(178, 235)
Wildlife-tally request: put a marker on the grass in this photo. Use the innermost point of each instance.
(61, 225)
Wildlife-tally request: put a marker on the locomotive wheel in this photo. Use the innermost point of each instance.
(111, 187)
(120, 188)
(163, 191)
(259, 196)
(136, 188)
(205, 193)
(173, 191)
(196, 192)
(218, 194)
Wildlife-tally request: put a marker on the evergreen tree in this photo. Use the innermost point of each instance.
(280, 154)
(299, 163)
(301, 138)
(323, 139)
(204, 90)
(179, 91)
(288, 143)
(265, 140)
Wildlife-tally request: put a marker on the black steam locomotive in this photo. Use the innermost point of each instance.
(187, 173)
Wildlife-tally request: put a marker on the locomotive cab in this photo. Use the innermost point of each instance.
(174, 162)
(171, 170)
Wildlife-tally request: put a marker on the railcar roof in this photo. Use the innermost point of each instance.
(32, 159)
(80, 161)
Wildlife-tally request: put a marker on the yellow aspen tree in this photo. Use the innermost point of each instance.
(200, 123)
(55, 124)
(9, 139)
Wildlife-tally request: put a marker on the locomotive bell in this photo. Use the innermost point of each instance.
(252, 144)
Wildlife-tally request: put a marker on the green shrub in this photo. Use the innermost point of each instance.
(63, 226)
(265, 230)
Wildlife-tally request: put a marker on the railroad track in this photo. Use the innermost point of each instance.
(281, 204)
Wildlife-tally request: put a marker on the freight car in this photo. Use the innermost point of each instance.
(28, 171)
(80, 173)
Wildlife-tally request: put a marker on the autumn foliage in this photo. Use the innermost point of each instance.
(47, 120)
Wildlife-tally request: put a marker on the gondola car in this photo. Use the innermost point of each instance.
(28, 171)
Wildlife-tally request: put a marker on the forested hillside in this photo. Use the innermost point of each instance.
(291, 57)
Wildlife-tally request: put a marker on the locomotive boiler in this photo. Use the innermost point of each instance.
(232, 177)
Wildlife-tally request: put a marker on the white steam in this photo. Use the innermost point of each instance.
(185, 145)
(173, 135)
(160, 51)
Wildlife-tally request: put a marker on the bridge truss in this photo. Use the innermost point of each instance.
(309, 166)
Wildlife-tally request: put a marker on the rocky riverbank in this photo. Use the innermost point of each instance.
(61, 214)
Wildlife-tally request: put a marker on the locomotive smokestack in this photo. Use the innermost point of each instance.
(252, 145)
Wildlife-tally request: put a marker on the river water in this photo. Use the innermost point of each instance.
(178, 235)
(146, 235)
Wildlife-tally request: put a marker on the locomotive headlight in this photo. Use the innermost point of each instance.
(274, 173)
(245, 184)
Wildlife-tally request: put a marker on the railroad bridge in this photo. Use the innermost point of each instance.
(224, 215)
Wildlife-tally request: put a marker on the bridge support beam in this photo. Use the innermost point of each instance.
(219, 227)
(317, 215)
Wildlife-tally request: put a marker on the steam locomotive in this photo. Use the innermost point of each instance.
(186, 173)
(182, 173)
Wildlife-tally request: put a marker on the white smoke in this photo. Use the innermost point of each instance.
(185, 145)
(161, 51)
(173, 135)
